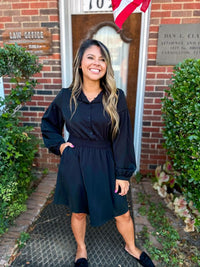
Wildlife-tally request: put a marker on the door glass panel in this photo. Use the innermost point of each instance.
(119, 51)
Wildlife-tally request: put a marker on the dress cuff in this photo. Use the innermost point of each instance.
(123, 178)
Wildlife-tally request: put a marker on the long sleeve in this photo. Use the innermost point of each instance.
(123, 149)
(52, 126)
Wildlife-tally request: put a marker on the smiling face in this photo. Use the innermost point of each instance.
(93, 64)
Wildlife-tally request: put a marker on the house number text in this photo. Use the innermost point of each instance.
(97, 5)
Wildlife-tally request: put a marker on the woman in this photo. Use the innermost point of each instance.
(98, 159)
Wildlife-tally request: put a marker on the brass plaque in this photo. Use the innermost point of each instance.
(178, 42)
(36, 40)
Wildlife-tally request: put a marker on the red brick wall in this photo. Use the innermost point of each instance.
(22, 14)
(162, 12)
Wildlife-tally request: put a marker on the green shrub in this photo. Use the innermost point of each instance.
(17, 145)
(181, 114)
(20, 65)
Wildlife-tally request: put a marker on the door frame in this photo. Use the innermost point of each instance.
(67, 63)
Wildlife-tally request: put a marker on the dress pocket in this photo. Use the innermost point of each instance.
(68, 154)
(66, 148)
(64, 154)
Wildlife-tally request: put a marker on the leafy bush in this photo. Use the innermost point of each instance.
(17, 145)
(181, 114)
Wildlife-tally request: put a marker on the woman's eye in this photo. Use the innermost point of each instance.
(92, 58)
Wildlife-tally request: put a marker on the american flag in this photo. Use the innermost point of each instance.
(123, 8)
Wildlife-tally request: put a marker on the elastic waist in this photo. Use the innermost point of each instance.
(89, 143)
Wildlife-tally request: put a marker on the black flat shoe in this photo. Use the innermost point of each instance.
(145, 260)
(82, 262)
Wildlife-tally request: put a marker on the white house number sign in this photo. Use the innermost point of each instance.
(97, 5)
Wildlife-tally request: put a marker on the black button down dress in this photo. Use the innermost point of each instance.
(87, 172)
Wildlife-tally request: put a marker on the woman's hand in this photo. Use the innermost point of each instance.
(124, 185)
(64, 145)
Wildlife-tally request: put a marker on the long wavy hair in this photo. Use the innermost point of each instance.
(107, 83)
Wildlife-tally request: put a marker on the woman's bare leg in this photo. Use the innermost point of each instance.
(78, 224)
(125, 227)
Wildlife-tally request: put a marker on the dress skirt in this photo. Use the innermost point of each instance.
(86, 181)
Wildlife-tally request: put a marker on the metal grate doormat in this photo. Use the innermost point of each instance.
(52, 244)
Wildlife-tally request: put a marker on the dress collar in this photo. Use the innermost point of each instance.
(82, 97)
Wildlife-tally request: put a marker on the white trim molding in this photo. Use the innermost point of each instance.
(142, 69)
(66, 42)
(1, 88)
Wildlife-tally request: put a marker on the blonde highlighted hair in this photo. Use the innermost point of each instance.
(107, 83)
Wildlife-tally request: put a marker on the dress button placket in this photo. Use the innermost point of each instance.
(91, 132)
